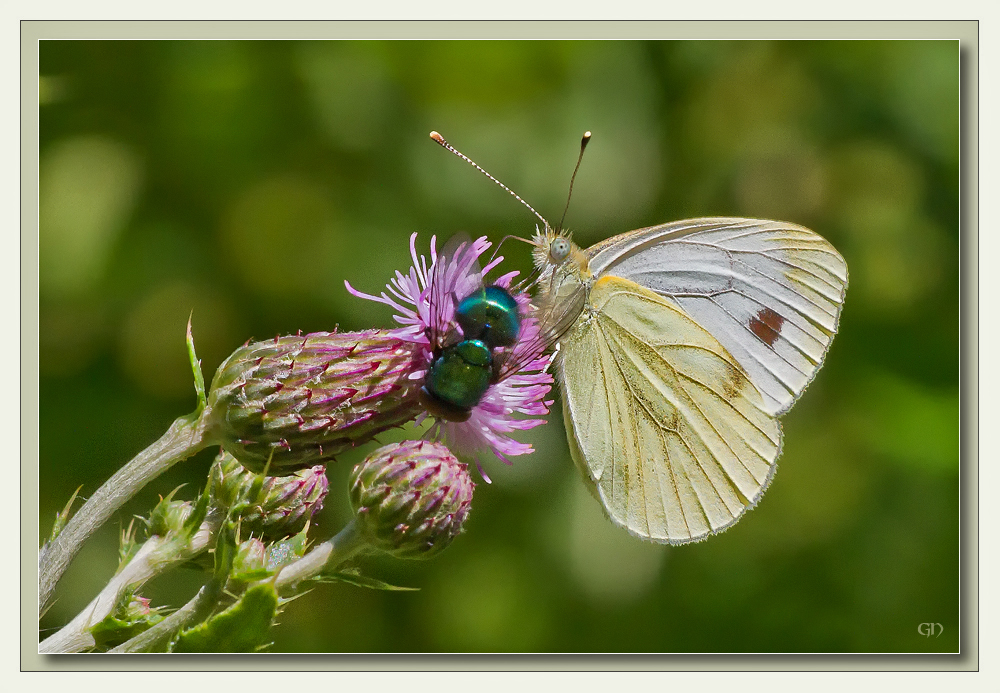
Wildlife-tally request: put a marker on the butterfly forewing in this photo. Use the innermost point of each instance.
(676, 440)
(769, 292)
(554, 318)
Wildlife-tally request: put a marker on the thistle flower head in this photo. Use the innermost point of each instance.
(293, 401)
(411, 499)
(425, 301)
(272, 506)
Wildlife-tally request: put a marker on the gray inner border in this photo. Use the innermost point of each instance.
(967, 32)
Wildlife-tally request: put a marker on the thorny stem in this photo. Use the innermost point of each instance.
(325, 556)
(186, 436)
(159, 635)
(152, 558)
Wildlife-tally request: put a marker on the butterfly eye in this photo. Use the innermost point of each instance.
(558, 249)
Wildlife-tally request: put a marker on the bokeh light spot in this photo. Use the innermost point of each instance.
(351, 89)
(281, 234)
(606, 562)
(152, 348)
(87, 189)
(486, 604)
(909, 423)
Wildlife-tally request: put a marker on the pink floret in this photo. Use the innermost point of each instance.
(515, 403)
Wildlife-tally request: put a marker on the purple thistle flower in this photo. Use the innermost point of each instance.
(424, 301)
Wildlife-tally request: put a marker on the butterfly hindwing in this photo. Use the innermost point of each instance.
(666, 425)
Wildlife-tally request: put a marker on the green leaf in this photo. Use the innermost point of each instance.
(128, 545)
(63, 517)
(225, 551)
(359, 580)
(193, 523)
(249, 575)
(112, 632)
(199, 377)
(243, 627)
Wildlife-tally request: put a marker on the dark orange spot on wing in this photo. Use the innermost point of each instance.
(766, 325)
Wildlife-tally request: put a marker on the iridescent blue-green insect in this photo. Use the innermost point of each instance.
(462, 371)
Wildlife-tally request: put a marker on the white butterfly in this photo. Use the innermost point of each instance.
(680, 345)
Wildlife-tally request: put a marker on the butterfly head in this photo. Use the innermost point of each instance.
(552, 248)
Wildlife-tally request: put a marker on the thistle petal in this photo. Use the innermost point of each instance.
(514, 403)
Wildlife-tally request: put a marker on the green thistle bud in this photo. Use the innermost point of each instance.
(255, 560)
(132, 615)
(285, 551)
(272, 506)
(228, 481)
(169, 516)
(137, 607)
(250, 562)
(298, 400)
(411, 499)
(287, 502)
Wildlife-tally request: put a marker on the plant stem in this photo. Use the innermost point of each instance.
(186, 436)
(327, 555)
(153, 557)
(74, 636)
(324, 556)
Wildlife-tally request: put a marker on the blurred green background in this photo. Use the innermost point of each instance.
(247, 180)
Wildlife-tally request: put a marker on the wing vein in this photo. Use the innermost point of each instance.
(794, 345)
(755, 357)
(690, 401)
(652, 418)
(725, 442)
(768, 253)
(674, 371)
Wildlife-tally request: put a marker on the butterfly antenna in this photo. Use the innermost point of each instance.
(436, 136)
(583, 146)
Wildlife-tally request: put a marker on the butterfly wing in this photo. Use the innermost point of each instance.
(663, 421)
(551, 319)
(770, 292)
(454, 275)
